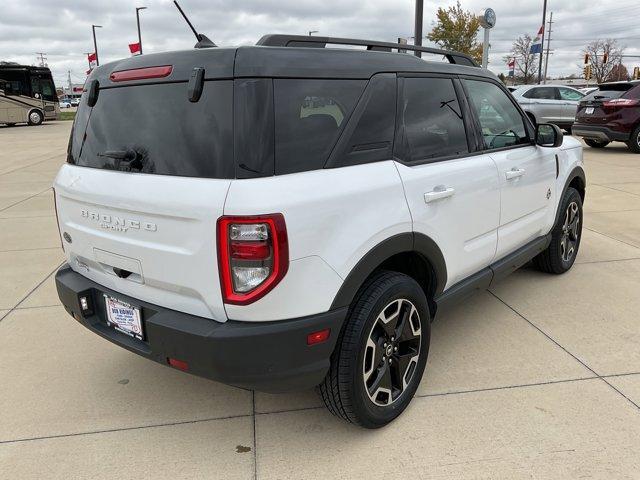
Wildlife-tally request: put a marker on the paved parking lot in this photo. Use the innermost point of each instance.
(539, 378)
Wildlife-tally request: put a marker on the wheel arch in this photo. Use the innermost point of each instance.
(576, 179)
(411, 253)
(36, 109)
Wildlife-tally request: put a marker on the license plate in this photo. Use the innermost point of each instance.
(589, 111)
(123, 317)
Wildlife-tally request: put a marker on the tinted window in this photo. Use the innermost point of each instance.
(633, 93)
(309, 116)
(369, 135)
(14, 82)
(541, 93)
(604, 94)
(570, 94)
(155, 129)
(501, 122)
(253, 127)
(432, 119)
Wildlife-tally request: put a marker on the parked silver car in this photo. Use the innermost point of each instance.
(549, 103)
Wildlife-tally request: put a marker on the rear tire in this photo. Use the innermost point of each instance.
(634, 141)
(596, 143)
(35, 117)
(565, 236)
(381, 354)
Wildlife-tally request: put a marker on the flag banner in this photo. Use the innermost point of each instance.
(134, 48)
(512, 67)
(92, 60)
(536, 46)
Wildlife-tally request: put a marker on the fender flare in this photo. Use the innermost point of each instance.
(577, 172)
(408, 242)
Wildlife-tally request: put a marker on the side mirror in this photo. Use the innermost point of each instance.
(548, 135)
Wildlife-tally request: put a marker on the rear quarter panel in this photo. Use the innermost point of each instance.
(333, 217)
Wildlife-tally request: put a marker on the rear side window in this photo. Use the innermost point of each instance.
(541, 93)
(432, 119)
(569, 94)
(501, 123)
(155, 129)
(309, 117)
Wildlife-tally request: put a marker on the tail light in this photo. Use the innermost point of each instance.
(621, 102)
(253, 256)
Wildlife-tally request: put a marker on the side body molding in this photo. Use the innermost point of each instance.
(409, 242)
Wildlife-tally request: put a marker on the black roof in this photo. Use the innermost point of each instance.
(289, 61)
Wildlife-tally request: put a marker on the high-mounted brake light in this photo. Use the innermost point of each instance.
(141, 73)
(253, 256)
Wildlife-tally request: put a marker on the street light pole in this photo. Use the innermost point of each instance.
(311, 32)
(138, 21)
(95, 45)
(418, 26)
(544, 22)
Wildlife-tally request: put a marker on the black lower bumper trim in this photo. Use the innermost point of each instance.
(265, 356)
(597, 132)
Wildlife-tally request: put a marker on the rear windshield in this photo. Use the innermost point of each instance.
(616, 90)
(155, 129)
(281, 126)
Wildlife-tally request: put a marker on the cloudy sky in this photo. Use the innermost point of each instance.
(62, 28)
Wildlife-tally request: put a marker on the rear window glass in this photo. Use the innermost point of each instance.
(155, 129)
(614, 90)
(309, 117)
(541, 93)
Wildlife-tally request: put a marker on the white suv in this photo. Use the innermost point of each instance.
(278, 217)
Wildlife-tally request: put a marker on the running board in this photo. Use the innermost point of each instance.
(492, 274)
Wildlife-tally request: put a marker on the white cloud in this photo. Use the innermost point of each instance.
(62, 29)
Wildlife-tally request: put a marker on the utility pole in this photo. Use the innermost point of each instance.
(69, 81)
(418, 26)
(138, 21)
(544, 21)
(546, 62)
(95, 45)
(42, 58)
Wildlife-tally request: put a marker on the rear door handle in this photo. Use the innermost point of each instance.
(438, 193)
(514, 173)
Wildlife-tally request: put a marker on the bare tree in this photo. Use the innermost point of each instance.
(526, 62)
(618, 72)
(596, 50)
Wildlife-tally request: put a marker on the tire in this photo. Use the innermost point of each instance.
(35, 117)
(596, 143)
(565, 236)
(367, 347)
(634, 141)
(532, 117)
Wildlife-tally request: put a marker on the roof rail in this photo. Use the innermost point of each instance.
(279, 40)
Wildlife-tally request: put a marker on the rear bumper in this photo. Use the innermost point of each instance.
(597, 132)
(265, 356)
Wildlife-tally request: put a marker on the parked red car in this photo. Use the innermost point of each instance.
(610, 114)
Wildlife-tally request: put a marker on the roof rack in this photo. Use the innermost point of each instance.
(278, 40)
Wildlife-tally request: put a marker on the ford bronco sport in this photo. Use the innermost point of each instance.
(279, 217)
